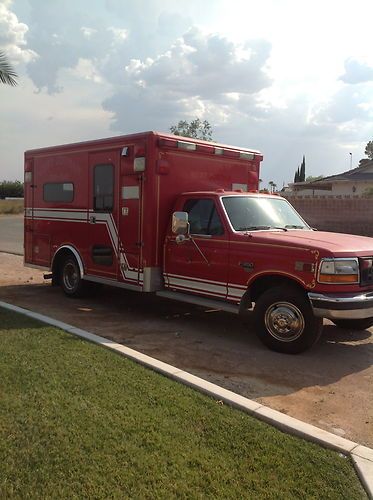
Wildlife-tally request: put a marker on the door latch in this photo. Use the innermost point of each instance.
(92, 219)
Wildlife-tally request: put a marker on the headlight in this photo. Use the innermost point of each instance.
(339, 271)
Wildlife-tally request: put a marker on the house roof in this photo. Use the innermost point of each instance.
(358, 173)
(362, 173)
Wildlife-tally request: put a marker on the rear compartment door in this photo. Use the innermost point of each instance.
(29, 209)
(102, 234)
(130, 222)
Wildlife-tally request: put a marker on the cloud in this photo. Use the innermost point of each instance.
(107, 33)
(356, 72)
(64, 36)
(13, 36)
(349, 103)
(199, 74)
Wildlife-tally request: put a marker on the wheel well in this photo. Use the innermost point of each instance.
(265, 282)
(58, 259)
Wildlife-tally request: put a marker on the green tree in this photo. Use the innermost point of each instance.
(296, 176)
(300, 173)
(197, 129)
(11, 189)
(7, 74)
(369, 150)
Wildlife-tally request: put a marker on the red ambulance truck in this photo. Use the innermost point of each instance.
(182, 218)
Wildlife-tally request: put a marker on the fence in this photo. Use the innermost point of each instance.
(340, 215)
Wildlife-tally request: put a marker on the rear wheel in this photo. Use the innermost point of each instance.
(284, 320)
(71, 281)
(354, 324)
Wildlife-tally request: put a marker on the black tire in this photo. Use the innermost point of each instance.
(284, 320)
(70, 279)
(354, 324)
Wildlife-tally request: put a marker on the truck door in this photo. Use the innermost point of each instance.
(29, 210)
(102, 235)
(201, 266)
(130, 223)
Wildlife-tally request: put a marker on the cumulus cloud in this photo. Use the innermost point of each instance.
(349, 103)
(357, 72)
(108, 34)
(13, 36)
(199, 74)
(64, 36)
(205, 66)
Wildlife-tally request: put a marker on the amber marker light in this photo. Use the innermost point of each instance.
(339, 271)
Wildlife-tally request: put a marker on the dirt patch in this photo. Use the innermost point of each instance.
(329, 386)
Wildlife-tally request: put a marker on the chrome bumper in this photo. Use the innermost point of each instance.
(347, 306)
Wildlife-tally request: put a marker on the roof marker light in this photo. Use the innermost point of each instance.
(246, 156)
(186, 145)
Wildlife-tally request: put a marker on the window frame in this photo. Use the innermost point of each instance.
(55, 184)
(103, 210)
(214, 209)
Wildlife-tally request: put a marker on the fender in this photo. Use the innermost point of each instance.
(280, 274)
(76, 255)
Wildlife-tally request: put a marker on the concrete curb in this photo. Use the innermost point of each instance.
(362, 456)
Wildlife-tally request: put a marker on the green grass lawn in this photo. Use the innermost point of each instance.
(79, 421)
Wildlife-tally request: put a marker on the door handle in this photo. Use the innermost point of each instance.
(92, 219)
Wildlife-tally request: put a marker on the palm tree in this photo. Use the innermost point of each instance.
(7, 74)
(271, 183)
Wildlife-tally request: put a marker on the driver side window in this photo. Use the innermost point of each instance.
(203, 217)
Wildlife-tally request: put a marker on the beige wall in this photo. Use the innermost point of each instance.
(354, 216)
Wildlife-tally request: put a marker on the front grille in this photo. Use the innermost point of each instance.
(366, 271)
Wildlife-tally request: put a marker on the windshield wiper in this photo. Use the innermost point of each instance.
(253, 228)
(259, 228)
(294, 226)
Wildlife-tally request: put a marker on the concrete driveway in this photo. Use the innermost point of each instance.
(329, 386)
(11, 234)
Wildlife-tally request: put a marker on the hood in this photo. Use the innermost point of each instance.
(336, 244)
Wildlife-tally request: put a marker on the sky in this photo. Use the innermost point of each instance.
(286, 77)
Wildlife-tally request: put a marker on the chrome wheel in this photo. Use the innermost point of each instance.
(284, 321)
(70, 276)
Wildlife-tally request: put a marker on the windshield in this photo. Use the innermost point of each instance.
(248, 213)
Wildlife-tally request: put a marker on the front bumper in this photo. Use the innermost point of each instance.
(346, 306)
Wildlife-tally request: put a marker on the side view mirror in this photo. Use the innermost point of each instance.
(180, 224)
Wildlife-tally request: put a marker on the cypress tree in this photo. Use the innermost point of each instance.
(302, 174)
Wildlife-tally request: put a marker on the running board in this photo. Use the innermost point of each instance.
(199, 301)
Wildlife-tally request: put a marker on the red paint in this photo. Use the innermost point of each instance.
(138, 229)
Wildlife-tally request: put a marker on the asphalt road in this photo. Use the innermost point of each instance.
(11, 234)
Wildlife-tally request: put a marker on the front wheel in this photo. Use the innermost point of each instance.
(71, 281)
(284, 320)
(354, 324)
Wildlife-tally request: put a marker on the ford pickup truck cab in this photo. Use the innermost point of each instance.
(256, 251)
